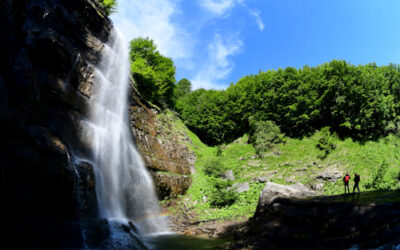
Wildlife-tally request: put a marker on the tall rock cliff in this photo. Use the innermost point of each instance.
(163, 146)
(49, 49)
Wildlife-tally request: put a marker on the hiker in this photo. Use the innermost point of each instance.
(356, 181)
(346, 179)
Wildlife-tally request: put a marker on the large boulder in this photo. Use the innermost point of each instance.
(272, 191)
(361, 221)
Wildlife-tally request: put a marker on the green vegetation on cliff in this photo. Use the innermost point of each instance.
(154, 73)
(109, 6)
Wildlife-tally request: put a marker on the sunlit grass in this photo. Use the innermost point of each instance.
(298, 160)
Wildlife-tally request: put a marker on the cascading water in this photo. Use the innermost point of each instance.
(123, 185)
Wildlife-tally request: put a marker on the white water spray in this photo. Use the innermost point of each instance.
(124, 188)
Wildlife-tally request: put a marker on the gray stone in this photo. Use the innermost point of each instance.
(240, 187)
(273, 191)
(262, 179)
(228, 175)
(331, 175)
(317, 186)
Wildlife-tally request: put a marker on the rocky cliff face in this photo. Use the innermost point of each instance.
(163, 146)
(49, 49)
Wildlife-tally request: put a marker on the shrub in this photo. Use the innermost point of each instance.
(325, 142)
(266, 134)
(220, 195)
(219, 150)
(213, 167)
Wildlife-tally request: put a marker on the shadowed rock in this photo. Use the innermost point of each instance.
(368, 220)
(48, 50)
(171, 185)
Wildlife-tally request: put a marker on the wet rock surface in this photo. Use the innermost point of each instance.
(367, 220)
(163, 146)
(171, 185)
(49, 51)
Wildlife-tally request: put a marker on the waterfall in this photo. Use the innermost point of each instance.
(124, 188)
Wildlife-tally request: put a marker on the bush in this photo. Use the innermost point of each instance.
(325, 142)
(266, 134)
(213, 167)
(219, 150)
(220, 195)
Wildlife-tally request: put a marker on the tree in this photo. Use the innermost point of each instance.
(110, 6)
(182, 88)
(154, 74)
(361, 102)
(266, 135)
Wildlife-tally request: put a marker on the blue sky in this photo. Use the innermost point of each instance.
(216, 42)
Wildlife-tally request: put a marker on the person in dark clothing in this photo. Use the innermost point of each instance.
(356, 182)
(346, 180)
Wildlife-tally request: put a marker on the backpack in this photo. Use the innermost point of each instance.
(346, 178)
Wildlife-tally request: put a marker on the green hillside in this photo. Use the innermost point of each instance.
(297, 160)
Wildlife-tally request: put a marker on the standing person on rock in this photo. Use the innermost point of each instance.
(346, 180)
(356, 182)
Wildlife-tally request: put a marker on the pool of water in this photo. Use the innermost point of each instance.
(177, 242)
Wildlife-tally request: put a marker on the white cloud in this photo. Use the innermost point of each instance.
(153, 18)
(207, 62)
(217, 66)
(259, 22)
(218, 7)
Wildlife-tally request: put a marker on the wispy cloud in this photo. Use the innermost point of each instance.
(259, 22)
(153, 18)
(218, 7)
(201, 54)
(218, 65)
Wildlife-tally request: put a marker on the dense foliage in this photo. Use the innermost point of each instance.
(214, 168)
(154, 74)
(362, 102)
(182, 88)
(110, 6)
(325, 142)
(265, 136)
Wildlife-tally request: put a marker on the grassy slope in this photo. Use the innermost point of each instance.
(296, 161)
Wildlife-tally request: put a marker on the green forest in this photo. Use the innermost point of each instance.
(361, 102)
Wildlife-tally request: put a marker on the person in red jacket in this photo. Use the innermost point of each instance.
(356, 181)
(346, 180)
